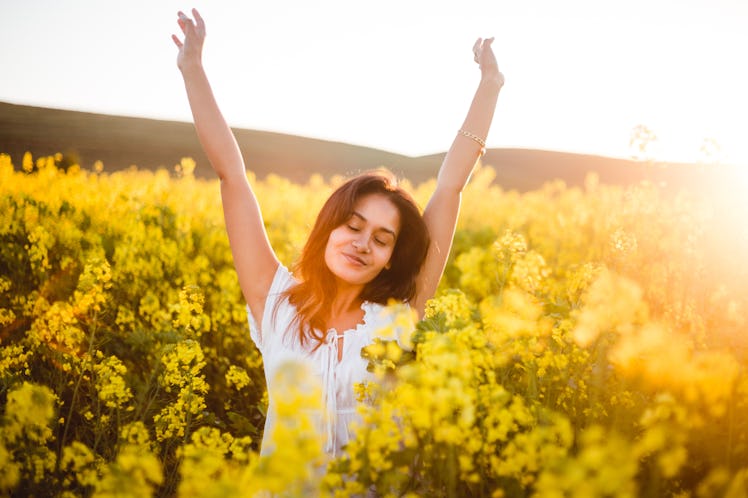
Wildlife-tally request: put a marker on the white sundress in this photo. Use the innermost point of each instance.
(278, 342)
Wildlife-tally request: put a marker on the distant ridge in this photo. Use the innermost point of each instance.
(120, 142)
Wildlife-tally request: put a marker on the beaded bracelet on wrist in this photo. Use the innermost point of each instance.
(476, 139)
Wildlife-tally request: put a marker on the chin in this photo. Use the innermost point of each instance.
(353, 277)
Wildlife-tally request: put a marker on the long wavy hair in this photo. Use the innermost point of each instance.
(314, 293)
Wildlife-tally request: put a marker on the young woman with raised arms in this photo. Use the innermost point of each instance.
(369, 244)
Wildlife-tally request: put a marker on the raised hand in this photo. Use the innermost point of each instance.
(254, 259)
(442, 209)
(190, 51)
(484, 56)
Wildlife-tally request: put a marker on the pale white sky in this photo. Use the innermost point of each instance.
(398, 74)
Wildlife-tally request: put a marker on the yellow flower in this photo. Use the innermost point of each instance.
(29, 410)
(237, 377)
(111, 384)
(10, 471)
(134, 473)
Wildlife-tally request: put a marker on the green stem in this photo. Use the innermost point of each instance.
(145, 406)
(99, 430)
(76, 389)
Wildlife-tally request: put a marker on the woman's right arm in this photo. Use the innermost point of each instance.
(254, 259)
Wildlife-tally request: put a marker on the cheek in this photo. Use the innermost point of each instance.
(385, 255)
(328, 247)
(335, 239)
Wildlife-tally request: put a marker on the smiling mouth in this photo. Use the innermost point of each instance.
(354, 259)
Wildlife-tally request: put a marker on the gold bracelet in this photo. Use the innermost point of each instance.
(476, 139)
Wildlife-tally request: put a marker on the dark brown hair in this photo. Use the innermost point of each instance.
(314, 293)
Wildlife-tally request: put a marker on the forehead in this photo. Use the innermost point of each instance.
(378, 210)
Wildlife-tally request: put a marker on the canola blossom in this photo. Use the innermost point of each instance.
(583, 342)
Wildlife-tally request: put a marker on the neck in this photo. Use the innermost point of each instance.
(346, 299)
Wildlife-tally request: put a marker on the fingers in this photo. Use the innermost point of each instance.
(182, 21)
(482, 44)
(199, 22)
(476, 49)
(187, 29)
(190, 28)
(177, 41)
(486, 60)
(482, 50)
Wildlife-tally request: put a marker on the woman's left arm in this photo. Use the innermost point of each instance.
(441, 212)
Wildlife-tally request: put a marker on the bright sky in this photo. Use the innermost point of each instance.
(398, 74)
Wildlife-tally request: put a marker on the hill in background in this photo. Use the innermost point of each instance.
(120, 142)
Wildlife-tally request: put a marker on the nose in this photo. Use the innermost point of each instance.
(361, 245)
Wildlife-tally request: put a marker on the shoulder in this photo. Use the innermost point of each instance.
(282, 281)
(277, 312)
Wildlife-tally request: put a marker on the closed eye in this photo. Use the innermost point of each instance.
(353, 228)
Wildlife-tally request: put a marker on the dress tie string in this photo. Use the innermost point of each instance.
(330, 382)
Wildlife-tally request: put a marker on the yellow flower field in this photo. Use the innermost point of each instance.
(584, 342)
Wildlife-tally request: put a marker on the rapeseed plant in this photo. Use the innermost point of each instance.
(585, 341)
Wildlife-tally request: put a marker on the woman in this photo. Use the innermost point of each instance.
(369, 244)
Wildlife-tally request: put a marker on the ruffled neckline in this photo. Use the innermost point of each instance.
(369, 309)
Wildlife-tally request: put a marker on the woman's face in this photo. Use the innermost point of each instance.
(361, 247)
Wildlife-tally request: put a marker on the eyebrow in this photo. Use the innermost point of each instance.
(385, 229)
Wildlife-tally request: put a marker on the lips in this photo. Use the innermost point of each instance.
(353, 259)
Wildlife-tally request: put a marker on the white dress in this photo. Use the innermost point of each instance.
(277, 340)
